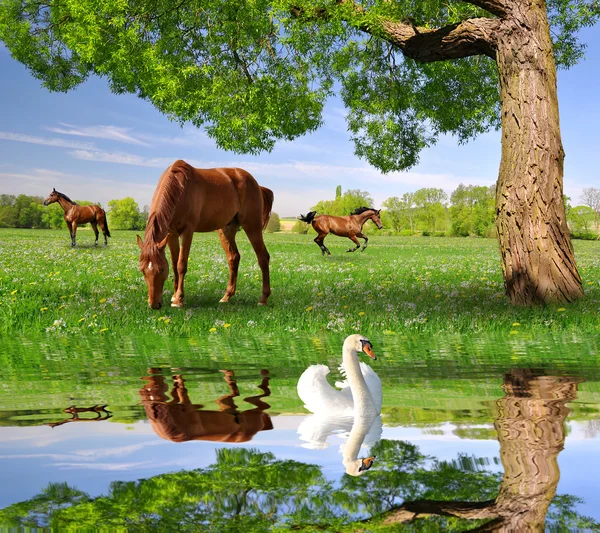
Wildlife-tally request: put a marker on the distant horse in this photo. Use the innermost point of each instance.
(80, 214)
(188, 200)
(179, 420)
(98, 410)
(349, 226)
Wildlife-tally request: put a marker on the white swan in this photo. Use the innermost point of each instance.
(360, 394)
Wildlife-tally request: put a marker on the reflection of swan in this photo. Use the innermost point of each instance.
(359, 431)
(360, 393)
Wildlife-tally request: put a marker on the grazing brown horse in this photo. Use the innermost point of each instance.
(350, 226)
(80, 214)
(179, 420)
(189, 200)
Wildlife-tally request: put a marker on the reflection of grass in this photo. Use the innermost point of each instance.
(440, 379)
(397, 286)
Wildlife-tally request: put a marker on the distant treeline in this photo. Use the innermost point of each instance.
(468, 211)
(25, 211)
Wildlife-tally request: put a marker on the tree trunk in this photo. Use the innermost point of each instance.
(537, 255)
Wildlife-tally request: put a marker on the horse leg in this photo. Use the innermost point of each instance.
(73, 233)
(95, 228)
(173, 243)
(184, 253)
(362, 236)
(255, 237)
(319, 240)
(355, 241)
(102, 224)
(227, 237)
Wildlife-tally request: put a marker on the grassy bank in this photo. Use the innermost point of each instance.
(399, 285)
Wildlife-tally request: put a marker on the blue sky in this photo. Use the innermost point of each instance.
(94, 145)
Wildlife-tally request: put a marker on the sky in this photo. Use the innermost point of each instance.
(94, 145)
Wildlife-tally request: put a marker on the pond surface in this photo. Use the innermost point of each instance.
(209, 434)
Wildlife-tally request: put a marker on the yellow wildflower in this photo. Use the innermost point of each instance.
(561, 309)
(102, 300)
(514, 332)
(81, 319)
(43, 309)
(212, 330)
(309, 308)
(227, 325)
(362, 313)
(15, 291)
(103, 330)
(515, 324)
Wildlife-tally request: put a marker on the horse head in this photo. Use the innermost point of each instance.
(154, 266)
(52, 197)
(376, 219)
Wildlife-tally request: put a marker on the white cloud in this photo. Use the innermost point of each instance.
(48, 141)
(111, 133)
(121, 158)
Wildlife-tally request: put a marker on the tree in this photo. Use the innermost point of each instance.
(430, 207)
(338, 192)
(274, 223)
(591, 197)
(344, 204)
(125, 214)
(408, 72)
(472, 210)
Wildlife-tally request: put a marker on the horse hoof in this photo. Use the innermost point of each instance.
(262, 304)
(176, 304)
(223, 300)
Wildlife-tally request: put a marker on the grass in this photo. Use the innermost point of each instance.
(398, 286)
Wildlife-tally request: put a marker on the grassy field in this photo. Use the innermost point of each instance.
(397, 286)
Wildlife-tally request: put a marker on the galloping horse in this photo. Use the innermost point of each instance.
(180, 420)
(80, 214)
(189, 200)
(350, 226)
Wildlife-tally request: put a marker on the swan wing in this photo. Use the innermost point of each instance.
(373, 384)
(318, 395)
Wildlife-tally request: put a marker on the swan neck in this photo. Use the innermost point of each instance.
(363, 402)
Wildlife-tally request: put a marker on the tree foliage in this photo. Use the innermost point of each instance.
(274, 224)
(125, 214)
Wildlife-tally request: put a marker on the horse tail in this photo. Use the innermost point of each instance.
(308, 218)
(268, 198)
(106, 223)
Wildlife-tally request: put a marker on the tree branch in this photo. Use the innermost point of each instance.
(468, 38)
(495, 7)
(408, 511)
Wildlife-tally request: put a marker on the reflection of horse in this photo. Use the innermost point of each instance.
(350, 226)
(80, 214)
(531, 430)
(99, 410)
(189, 200)
(179, 420)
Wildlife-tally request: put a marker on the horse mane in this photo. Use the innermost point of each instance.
(360, 210)
(66, 198)
(168, 193)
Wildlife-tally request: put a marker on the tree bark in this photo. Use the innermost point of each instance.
(537, 255)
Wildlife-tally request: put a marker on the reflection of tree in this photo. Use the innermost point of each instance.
(251, 492)
(178, 419)
(530, 426)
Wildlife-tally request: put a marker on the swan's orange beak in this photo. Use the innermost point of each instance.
(368, 349)
(367, 463)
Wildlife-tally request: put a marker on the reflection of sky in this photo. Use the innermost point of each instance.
(91, 455)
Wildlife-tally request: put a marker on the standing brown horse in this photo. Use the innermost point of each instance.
(80, 214)
(350, 226)
(189, 200)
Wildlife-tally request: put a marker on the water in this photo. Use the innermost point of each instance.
(209, 434)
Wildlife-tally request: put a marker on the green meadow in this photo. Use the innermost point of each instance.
(398, 286)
